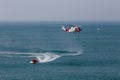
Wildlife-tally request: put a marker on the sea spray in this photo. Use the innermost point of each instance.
(47, 56)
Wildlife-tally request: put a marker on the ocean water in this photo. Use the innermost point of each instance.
(92, 54)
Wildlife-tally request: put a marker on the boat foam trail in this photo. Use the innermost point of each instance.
(44, 56)
(47, 57)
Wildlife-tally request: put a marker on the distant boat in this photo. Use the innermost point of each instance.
(98, 28)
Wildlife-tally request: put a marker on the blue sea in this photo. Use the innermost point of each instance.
(92, 54)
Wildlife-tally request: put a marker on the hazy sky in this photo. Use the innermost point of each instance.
(59, 10)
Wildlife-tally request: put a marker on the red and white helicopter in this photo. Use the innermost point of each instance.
(72, 28)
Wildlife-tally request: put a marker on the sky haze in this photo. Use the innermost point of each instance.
(59, 10)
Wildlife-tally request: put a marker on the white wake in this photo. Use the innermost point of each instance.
(43, 57)
(47, 57)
